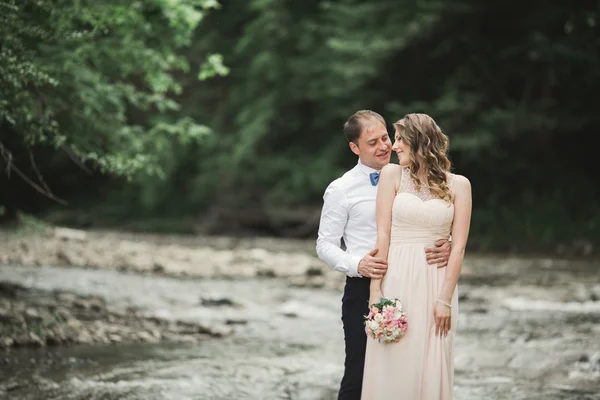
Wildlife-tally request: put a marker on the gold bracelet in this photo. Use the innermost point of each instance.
(444, 303)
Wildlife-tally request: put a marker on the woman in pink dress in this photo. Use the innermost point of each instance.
(418, 202)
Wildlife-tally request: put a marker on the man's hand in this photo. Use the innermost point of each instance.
(371, 266)
(439, 254)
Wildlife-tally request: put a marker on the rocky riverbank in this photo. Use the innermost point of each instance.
(33, 317)
(179, 256)
(292, 261)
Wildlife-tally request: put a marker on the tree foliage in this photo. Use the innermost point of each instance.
(97, 79)
(508, 87)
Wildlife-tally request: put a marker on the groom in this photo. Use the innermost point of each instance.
(349, 213)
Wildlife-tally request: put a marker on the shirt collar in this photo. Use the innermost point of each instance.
(365, 169)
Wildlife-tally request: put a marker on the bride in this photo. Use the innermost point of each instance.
(418, 202)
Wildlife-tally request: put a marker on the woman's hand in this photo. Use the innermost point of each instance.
(442, 317)
(374, 297)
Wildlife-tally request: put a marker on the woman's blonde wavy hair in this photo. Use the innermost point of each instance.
(429, 152)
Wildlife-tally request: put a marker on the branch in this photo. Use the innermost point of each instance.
(75, 159)
(37, 171)
(8, 158)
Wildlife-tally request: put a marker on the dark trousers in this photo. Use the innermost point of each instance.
(355, 304)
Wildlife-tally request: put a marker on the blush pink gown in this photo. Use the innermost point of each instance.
(420, 366)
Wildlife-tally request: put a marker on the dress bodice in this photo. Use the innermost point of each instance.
(418, 216)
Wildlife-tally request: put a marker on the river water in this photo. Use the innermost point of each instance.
(530, 331)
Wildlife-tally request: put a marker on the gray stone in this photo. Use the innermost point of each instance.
(581, 293)
(70, 234)
(115, 338)
(146, 337)
(32, 313)
(36, 340)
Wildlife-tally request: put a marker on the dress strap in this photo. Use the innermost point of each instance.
(450, 179)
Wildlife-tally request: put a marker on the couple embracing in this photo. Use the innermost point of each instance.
(396, 221)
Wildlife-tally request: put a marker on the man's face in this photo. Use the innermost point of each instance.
(374, 146)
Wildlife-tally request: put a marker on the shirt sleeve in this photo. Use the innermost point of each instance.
(334, 217)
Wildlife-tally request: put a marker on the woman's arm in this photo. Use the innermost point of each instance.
(388, 182)
(460, 233)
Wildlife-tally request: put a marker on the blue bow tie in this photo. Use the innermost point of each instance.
(374, 176)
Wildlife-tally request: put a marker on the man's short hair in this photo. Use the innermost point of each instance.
(355, 125)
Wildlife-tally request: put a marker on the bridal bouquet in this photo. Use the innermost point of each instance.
(386, 320)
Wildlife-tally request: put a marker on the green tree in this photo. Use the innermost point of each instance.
(97, 80)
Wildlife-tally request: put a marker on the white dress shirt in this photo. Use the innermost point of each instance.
(348, 213)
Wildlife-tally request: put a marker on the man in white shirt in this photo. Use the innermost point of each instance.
(349, 213)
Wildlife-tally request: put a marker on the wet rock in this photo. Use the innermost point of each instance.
(308, 281)
(257, 254)
(236, 321)
(9, 290)
(84, 337)
(67, 298)
(94, 305)
(186, 339)
(316, 282)
(63, 258)
(156, 334)
(266, 273)
(216, 330)
(314, 271)
(36, 340)
(74, 323)
(146, 337)
(218, 301)
(31, 314)
(115, 338)
(62, 313)
(13, 385)
(595, 293)
(21, 339)
(86, 320)
(158, 268)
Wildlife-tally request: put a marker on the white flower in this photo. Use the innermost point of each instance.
(373, 325)
(378, 317)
